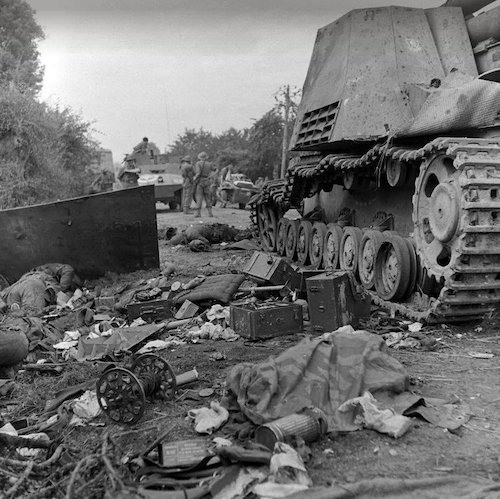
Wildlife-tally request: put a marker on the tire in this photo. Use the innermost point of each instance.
(392, 268)
(304, 241)
(173, 205)
(317, 244)
(368, 248)
(331, 249)
(349, 249)
(292, 236)
(242, 206)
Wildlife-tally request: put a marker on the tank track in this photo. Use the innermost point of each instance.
(471, 287)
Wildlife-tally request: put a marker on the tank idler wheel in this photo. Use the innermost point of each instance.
(269, 229)
(368, 248)
(121, 396)
(292, 236)
(349, 248)
(395, 172)
(317, 244)
(392, 268)
(304, 241)
(281, 236)
(331, 249)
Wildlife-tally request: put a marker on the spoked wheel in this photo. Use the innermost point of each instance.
(331, 249)
(349, 248)
(368, 248)
(281, 236)
(266, 219)
(436, 214)
(392, 268)
(156, 374)
(292, 237)
(121, 396)
(317, 244)
(304, 241)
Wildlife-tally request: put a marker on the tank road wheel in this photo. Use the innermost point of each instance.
(304, 241)
(349, 248)
(436, 213)
(392, 268)
(395, 172)
(412, 280)
(292, 237)
(260, 222)
(368, 248)
(269, 228)
(317, 244)
(281, 236)
(331, 249)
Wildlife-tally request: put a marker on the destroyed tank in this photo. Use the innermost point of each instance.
(395, 160)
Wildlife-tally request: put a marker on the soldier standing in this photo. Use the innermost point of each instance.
(128, 174)
(214, 184)
(187, 172)
(202, 172)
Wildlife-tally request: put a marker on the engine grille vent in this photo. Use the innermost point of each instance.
(317, 125)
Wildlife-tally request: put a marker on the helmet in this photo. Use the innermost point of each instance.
(203, 155)
(186, 159)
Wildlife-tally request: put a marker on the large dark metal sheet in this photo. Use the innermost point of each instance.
(114, 231)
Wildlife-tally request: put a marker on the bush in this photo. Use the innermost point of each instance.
(44, 151)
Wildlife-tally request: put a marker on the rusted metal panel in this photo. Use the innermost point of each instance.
(114, 231)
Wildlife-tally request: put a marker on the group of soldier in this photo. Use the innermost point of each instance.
(201, 180)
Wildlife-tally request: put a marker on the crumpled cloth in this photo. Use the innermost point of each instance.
(372, 417)
(209, 419)
(323, 372)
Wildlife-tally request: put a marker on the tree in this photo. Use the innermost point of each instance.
(287, 105)
(265, 144)
(19, 56)
(192, 142)
(44, 152)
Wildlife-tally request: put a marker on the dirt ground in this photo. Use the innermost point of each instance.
(446, 372)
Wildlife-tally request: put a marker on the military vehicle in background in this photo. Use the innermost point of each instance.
(156, 170)
(237, 188)
(397, 142)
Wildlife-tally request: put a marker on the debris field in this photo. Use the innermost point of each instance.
(239, 419)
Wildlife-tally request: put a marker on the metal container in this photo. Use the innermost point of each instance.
(334, 302)
(308, 425)
(270, 269)
(267, 320)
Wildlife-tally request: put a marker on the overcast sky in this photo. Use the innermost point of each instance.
(155, 67)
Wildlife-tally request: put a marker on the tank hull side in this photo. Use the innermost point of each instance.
(365, 204)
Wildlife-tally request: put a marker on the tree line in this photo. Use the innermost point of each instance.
(255, 151)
